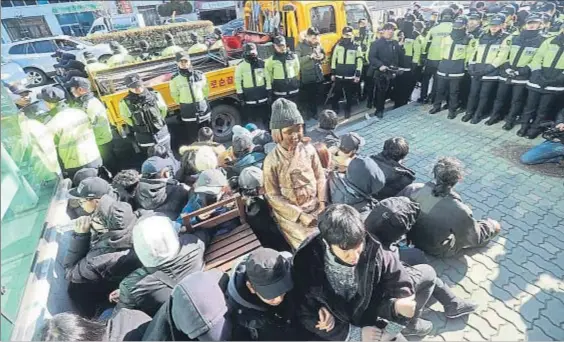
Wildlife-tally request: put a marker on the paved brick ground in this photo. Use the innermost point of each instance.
(518, 278)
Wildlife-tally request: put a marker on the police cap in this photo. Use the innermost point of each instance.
(51, 94)
(534, 17)
(460, 21)
(347, 30)
(279, 40)
(497, 19)
(133, 81)
(250, 48)
(78, 82)
(182, 55)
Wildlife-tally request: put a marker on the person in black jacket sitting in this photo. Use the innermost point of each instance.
(343, 271)
(396, 174)
(100, 254)
(261, 299)
(385, 53)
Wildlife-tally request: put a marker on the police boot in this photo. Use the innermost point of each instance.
(523, 130)
(347, 114)
(435, 109)
(493, 120)
(533, 133)
(467, 117)
(476, 119)
(451, 115)
(422, 100)
(508, 125)
(379, 114)
(445, 106)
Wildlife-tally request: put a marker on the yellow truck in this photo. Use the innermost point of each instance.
(295, 17)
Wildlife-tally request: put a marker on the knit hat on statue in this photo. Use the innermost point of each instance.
(155, 240)
(285, 114)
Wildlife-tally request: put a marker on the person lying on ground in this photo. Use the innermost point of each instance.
(100, 253)
(390, 220)
(343, 270)
(166, 258)
(125, 325)
(261, 299)
(259, 215)
(158, 191)
(397, 175)
(446, 226)
(195, 311)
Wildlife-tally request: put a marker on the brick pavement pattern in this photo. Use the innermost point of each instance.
(518, 278)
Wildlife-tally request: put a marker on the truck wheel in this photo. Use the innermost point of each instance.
(104, 58)
(35, 77)
(223, 118)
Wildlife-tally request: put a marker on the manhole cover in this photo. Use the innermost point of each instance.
(513, 154)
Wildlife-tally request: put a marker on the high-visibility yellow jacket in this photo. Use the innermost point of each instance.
(547, 67)
(74, 137)
(455, 55)
(347, 60)
(282, 71)
(98, 115)
(191, 93)
(491, 52)
(523, 48)
(43, 150)
(251, 82)
(120, 59)
(434, 40)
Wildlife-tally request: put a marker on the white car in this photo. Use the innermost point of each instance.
(34, 55)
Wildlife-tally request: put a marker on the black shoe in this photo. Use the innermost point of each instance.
(508, 126)
(445, 106)
(522, 131)
(421, 100)
(475, 120)
(493, 120)
(467, 117)
(533, 133)
(369, 104)
(434, 110)
(347, 115)
(418, 327)
(451, 115)
(379, 114)
(460, 308)
(428, 100)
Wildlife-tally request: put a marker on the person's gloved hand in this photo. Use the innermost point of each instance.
(524, 71)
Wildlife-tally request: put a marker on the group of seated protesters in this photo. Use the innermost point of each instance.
(343, 237)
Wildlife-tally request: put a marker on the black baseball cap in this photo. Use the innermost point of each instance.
(91, 188)
(474, 16)
(534, 17)
(497, 19)
(313, 31)
(347, 30)
(78, 82)
(279, 40)
(182, 55)
(133, 81)
(250, 47)
(154, 165)
(351, 142)
(460, 21)
(51, 94)
(269, 272)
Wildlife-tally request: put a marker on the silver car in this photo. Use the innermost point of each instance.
(34, 55)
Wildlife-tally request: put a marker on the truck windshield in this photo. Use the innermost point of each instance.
(355, 12)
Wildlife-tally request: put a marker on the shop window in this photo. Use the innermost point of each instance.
(76, 24)
(44, 46)
(26, 28)
(323, 17)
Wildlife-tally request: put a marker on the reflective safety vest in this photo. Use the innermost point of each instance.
(547, 66)
(455, 55)
(171, 50)
(281, 71)
(93, 68)
(364, 43)
(250, 80)
(120, 59)
(98, 116)
(146, 118)
(418, 46)
(434, 40)
(347, 61)
(197, 48)
(74, 137)
(523, 49)
(491, 50)
(43, 150)
(191, 93)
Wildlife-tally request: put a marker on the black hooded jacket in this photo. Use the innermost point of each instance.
(146, 289)
(166, 196)
(108, 257)
(381, 279)
(397, 176)
(254, 320)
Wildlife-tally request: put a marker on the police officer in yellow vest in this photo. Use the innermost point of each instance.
(189, 88)
(92, 65)
(492, 51)
(171, 48)
(433, 53)
(98, 116)
(144, 110)
(346, 69)
(252, 86)
(72, 131)
(545, 86)
(456, 51)
(405, 81)
(364, 39)
(120, 55)
(282, 70)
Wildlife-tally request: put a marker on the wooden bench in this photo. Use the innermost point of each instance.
(225, 249)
